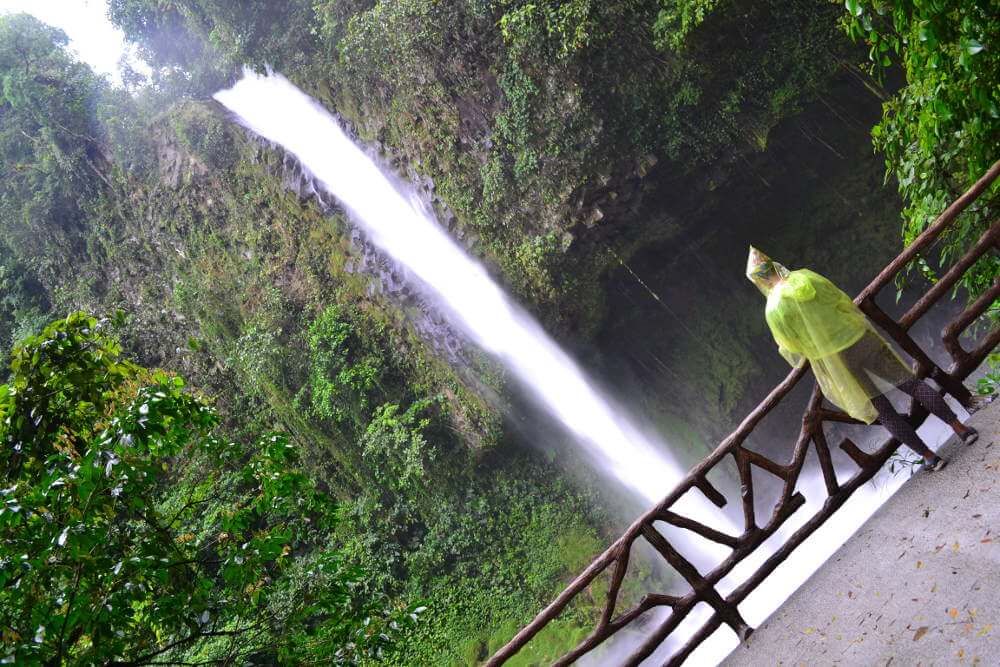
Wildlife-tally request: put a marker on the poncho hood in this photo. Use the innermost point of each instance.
(764, 272)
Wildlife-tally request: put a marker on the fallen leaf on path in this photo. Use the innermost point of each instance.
(953, 612)
(920, 564)
(921, 631)
(985, 630)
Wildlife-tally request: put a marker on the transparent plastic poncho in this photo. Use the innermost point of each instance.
(813, 320)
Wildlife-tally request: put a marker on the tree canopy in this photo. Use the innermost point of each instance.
(131, 533)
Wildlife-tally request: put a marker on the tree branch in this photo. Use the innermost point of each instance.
(147, 659)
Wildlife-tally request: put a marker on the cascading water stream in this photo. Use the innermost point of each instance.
(275, 109)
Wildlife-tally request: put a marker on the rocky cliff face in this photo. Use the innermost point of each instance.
(543, 126)
(546, 138)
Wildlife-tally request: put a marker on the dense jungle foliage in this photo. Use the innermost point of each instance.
(131, 534)
(324, 470)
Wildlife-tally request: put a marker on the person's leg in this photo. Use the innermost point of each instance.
(900, 428)
(935, 404)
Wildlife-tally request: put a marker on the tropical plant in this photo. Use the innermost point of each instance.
(990, 382)
(941, 131)
(131, 534)
(344, 370)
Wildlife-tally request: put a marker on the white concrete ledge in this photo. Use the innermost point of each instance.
(919, 584)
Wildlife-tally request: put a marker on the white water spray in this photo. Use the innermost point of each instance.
(275, 109)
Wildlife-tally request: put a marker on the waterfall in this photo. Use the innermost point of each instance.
(275, 109)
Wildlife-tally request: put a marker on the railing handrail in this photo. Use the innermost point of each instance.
(811, 432)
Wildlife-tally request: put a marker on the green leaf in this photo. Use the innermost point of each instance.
(853, 7)
(971, 46)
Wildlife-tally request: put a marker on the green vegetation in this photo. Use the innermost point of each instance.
(342, 375)
(23, 304)
(941, 131)
(237, 283)
(989, 384)
(54, 164)
(132, 534)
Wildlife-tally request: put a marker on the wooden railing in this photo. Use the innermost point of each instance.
(616, 558)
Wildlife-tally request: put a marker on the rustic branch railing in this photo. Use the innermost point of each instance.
(703, 586)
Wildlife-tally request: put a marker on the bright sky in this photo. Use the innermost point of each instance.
(93, 38)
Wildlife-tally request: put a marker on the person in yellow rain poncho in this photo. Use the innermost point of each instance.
(812, 320)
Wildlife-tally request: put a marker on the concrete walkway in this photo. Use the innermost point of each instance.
(919, 584)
